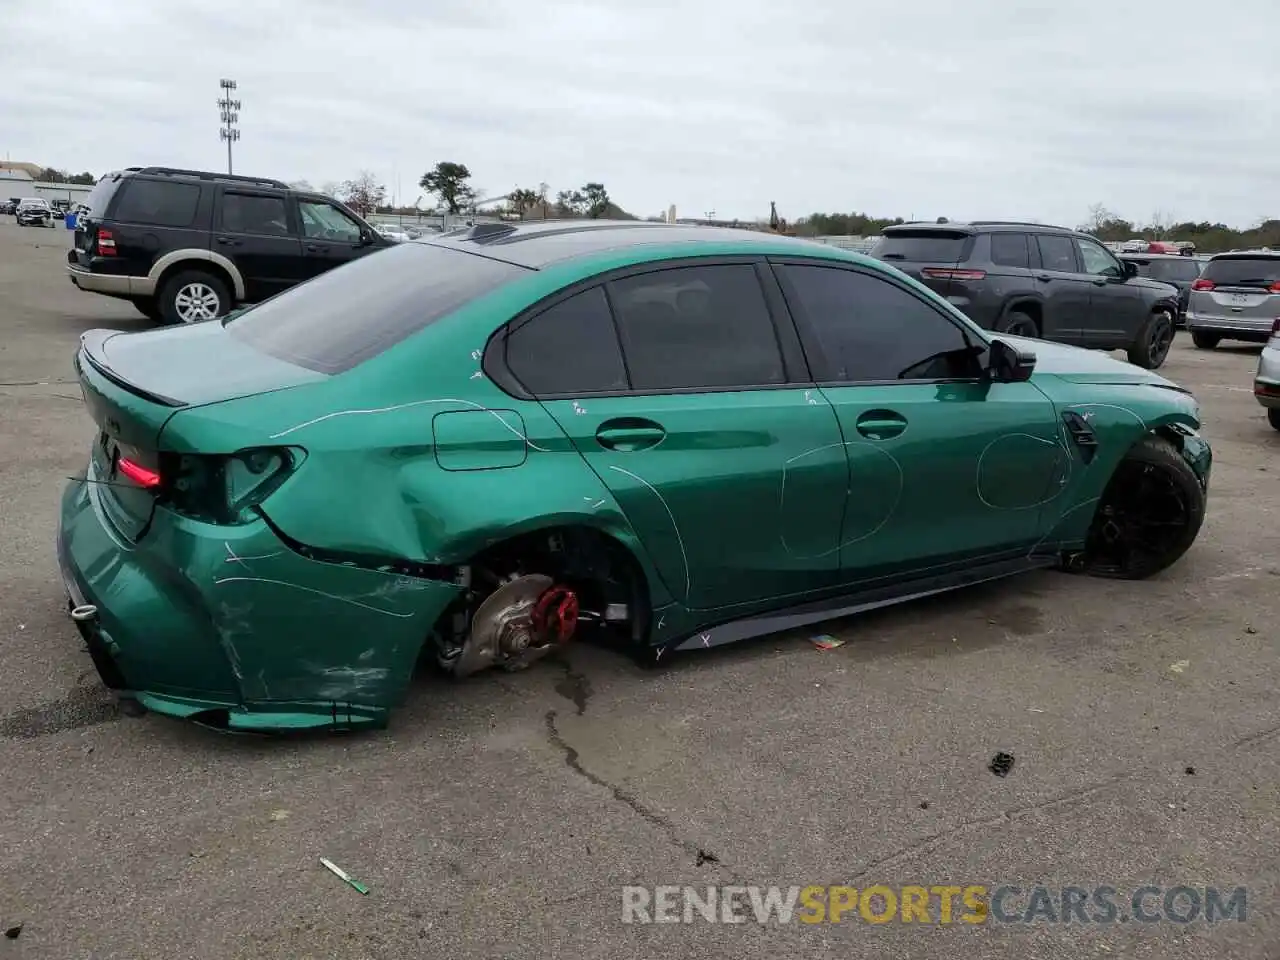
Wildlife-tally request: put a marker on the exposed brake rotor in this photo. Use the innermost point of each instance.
(519, 622)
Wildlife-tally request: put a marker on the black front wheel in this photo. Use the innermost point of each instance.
(1149, 515)
(1151, 347)
(1205, 341)
(1273, 418)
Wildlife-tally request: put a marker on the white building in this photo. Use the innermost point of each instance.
(17, 184)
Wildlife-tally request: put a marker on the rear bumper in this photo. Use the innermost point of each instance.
(1257, 331)
(110, 284)
(1266, 382)
(227, 626)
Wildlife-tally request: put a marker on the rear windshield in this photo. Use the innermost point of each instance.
(1243, 271)
(344, 317)
(923, 246)
(100, 195)
(1184, 268)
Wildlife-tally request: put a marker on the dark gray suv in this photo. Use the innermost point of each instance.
(1033, 280)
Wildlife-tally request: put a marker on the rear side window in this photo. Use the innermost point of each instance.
(697, 328)
(344, 317)
(162, 203)
(1058, 254)
(569, 348)
(1010, 250)
(253, 213)
(924, 246)
(1243, 271)
(100, 196)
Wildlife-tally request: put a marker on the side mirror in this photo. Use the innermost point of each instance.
(1010, 364)
(1130, 268)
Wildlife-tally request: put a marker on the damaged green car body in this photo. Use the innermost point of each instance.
(473, 448)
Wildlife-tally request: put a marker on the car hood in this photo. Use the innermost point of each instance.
(1078, 365)
(1158, 287)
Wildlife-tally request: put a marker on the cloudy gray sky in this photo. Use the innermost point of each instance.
(999, 108)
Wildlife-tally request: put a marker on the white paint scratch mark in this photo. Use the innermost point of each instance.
(405, 406)
(319, 593)
(977, 480)
(662, 621)
(684, 556)
(705, 638)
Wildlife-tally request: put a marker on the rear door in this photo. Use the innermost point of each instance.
(689, 402)
(945, 467)
(330, 236)
(1065, 289)
(1116, 310)
(257, 231)
(1239, 292)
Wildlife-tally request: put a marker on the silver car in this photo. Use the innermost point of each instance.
(1266, 382)
(1237, 297)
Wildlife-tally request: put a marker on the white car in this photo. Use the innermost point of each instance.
(392, 232)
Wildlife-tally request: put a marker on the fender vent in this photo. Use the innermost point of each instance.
(1082, 435)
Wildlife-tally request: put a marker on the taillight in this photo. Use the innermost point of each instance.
(142, 476)
(106, 243)
(221, 488)
(1274, 288)
(1203, 284)
(949, 273)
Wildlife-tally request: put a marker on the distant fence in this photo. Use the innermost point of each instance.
(856, 244)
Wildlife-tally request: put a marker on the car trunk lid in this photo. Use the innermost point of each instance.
(932, 255)
(133, 383)
(1239, 287)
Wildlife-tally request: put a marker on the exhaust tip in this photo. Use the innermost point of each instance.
(86, 611)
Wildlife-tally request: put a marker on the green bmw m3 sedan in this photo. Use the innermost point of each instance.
(474, 448)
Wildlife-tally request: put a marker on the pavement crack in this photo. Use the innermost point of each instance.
(1255, 737)
(573, 761)
(575, 687)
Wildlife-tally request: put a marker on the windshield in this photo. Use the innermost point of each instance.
(923, 246)
(1243, 271)
(344, 317)
(28, 204)
(100, 195)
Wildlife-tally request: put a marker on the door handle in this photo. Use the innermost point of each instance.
(1043, 277)
(316, 248)
(1099, 283)
(229, 241)
(626, 435)
(881, 424)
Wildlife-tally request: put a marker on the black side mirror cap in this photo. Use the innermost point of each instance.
(1130, 268)
(1009, 364)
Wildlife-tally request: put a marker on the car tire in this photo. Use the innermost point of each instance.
(1273, 418)
(1019, 323)
(191, 296)
(1152, 476)
(1205, 341)
(1155, 338)
(148, 307)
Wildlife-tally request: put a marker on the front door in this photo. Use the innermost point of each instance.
(1065, 289)
(253, 229)
(945, 468)
(330, 238)
(674, 389)
(1116, 309)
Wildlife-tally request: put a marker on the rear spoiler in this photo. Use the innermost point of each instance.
(92, 348)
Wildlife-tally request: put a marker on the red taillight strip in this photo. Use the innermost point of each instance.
(106, 242)
(139, 474)
(1203, 285)
(939, 273)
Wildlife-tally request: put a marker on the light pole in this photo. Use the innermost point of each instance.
(230, 114)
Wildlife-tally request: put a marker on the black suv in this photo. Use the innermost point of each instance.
(1031, 280)
(1177, 269)
(187, 245)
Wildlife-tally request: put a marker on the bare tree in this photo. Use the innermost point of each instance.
(331, 188)
(1161, 223)
(1099, 217)
(364, 194)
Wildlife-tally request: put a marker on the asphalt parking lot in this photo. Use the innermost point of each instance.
(501, 816)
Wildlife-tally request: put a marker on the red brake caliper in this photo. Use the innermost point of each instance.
(555, 615)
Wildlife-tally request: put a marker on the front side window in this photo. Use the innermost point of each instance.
(1096, 261)
(872, 330)
(694, 328)
(1057, 254)
(255, 214)
(569, 348)
(157, 202)
(324, 221)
